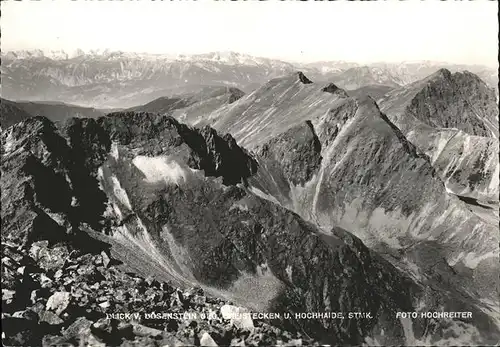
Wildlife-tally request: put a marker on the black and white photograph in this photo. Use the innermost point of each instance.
(249, 173)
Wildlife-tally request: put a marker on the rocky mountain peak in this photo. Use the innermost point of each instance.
(442, 73)
(333, 89)
(152, 134)
(234, 94)
(459, 100)
(303, 78)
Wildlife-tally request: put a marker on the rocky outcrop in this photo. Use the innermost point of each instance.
(332, 88)
(298, 152)
(303, 78)
(206, 150)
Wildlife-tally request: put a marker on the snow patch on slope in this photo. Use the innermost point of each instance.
(114, 151)
(157, 169)
(9, 143)
(120, 193)
(263, 195)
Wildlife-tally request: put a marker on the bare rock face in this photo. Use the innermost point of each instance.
(58, 302)
(239, 316)
(298, 151)
(303, 78)
(27, 201)
(333, 89)
(207, 151)
(445, 100)
(459, 100)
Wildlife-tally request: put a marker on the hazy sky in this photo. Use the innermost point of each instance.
(453, 31)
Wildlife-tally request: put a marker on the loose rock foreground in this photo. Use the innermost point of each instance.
(59, 295)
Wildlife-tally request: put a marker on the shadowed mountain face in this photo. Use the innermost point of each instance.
(466, 157)
(11, 113)
(166, 198)
(14, 112)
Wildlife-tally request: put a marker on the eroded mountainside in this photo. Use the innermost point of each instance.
(364, 175)
(453, 119)
(143, 193)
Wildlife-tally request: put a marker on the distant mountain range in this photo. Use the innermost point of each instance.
(116, 79)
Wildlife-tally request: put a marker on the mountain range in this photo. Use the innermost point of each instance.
(293, 196)
(111, 79)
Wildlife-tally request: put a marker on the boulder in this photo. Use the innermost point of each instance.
(239, 316)
(58, 302)
(207, 340)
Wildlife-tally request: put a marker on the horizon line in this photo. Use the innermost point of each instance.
(104, 51)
